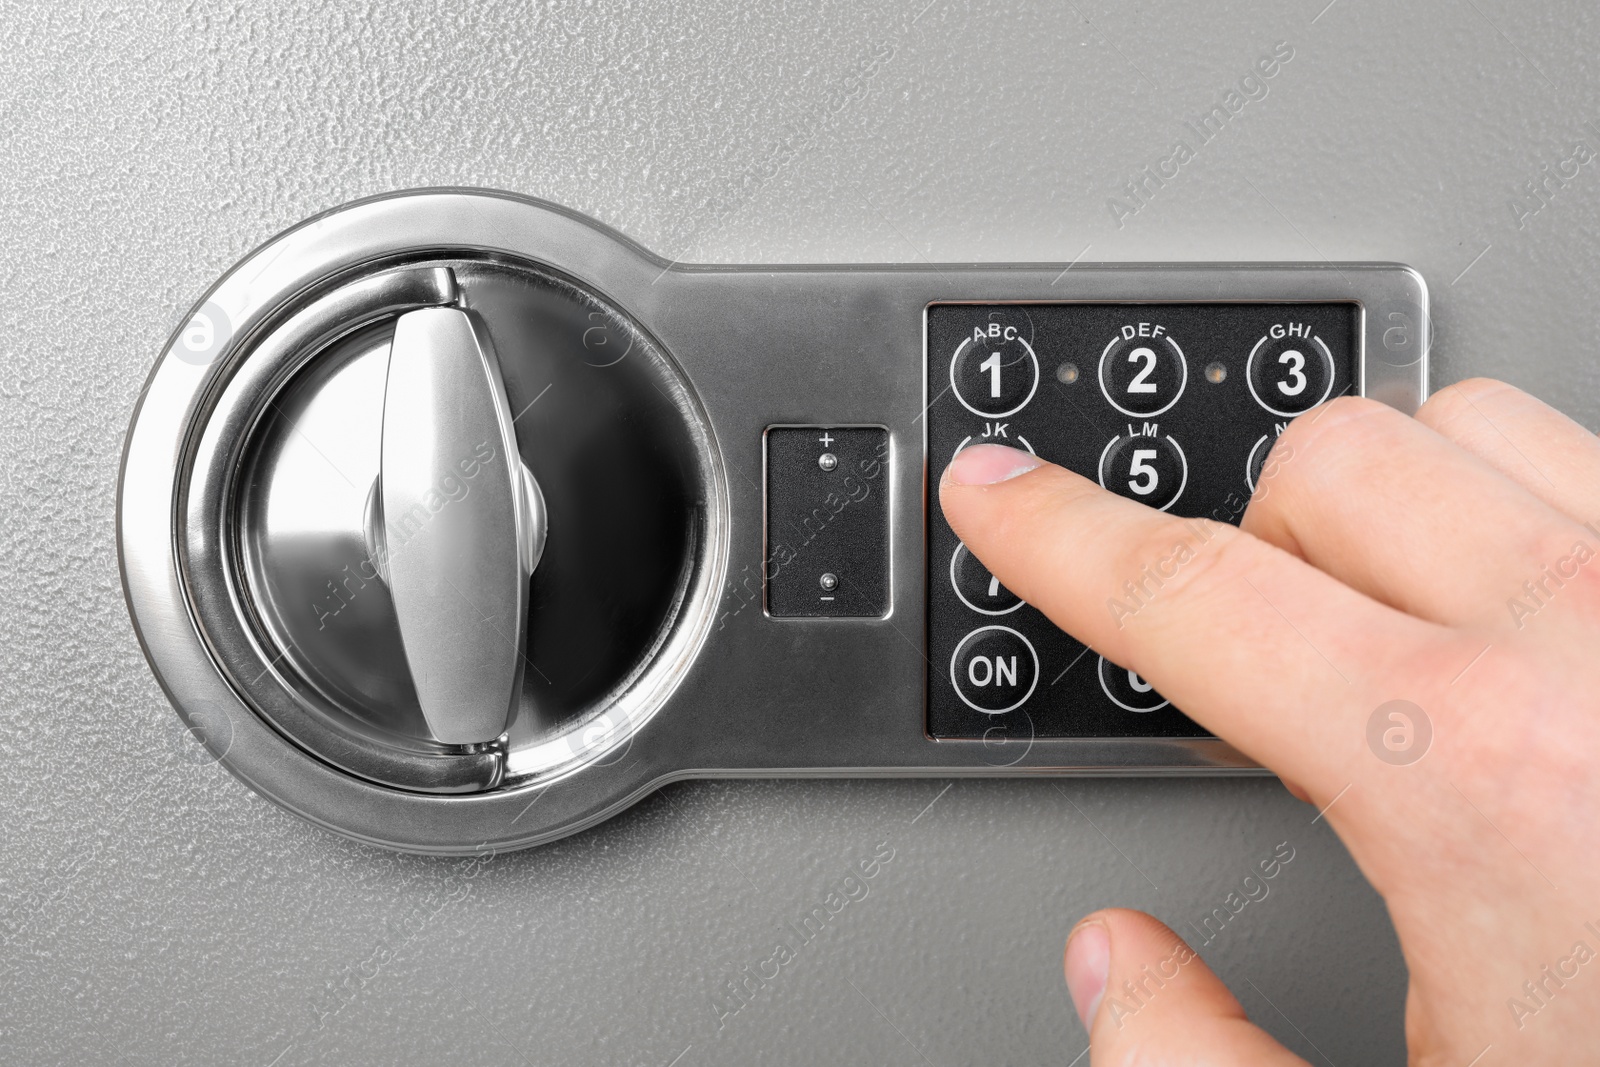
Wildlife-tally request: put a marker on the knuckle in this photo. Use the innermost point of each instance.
(1568, 571)
(1460, 399)
(1493, 752)
(1328, 440)
(1341, 418)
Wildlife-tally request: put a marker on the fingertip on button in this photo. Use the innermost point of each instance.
(989, 465)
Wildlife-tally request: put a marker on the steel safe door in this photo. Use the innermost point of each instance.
(155, 910)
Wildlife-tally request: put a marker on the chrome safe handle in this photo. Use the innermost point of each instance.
(456, 524)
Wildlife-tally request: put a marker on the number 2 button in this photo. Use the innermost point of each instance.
(1142, 370)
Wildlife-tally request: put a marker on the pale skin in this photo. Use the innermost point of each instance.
(1380, 559)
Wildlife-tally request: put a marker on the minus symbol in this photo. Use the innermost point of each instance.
(824, 598)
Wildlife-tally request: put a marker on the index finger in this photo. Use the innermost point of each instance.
(1253, 643)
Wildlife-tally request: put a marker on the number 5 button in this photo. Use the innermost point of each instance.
(1144, 466)
(1290, 370)
(1142, 370)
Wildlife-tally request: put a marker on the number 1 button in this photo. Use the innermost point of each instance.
(994, 372)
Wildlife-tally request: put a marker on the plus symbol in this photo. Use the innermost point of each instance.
(826, 439)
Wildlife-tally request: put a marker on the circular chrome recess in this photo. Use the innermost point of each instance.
(246, 520)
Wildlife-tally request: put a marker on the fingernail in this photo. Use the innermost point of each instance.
(988, 464)
(1088, 964)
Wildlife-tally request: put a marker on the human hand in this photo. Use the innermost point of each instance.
(1448, 560)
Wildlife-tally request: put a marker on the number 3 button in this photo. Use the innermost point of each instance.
(1142, 370)
(1290, 370)
(1145, 467)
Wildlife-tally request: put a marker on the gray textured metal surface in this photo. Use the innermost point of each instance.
(152, 910)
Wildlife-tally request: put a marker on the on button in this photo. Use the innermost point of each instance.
(994, 670)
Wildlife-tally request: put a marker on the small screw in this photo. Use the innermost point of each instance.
(1216, 374)
(1067, 373)
(829, 582)
(827, 461)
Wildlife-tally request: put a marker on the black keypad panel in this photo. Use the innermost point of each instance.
(1172, 405)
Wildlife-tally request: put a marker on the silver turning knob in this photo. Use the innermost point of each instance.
(329, 538)
(455, 524)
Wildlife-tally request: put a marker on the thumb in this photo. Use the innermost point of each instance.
(1145, 996)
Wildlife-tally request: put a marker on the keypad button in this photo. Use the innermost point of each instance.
(1147, 467)
(1014, 440)
(994, 670)
(1257, 460)
(1127, 690)
(994, 372)
(1290, 370)
(1142, 370)
(977, 588)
